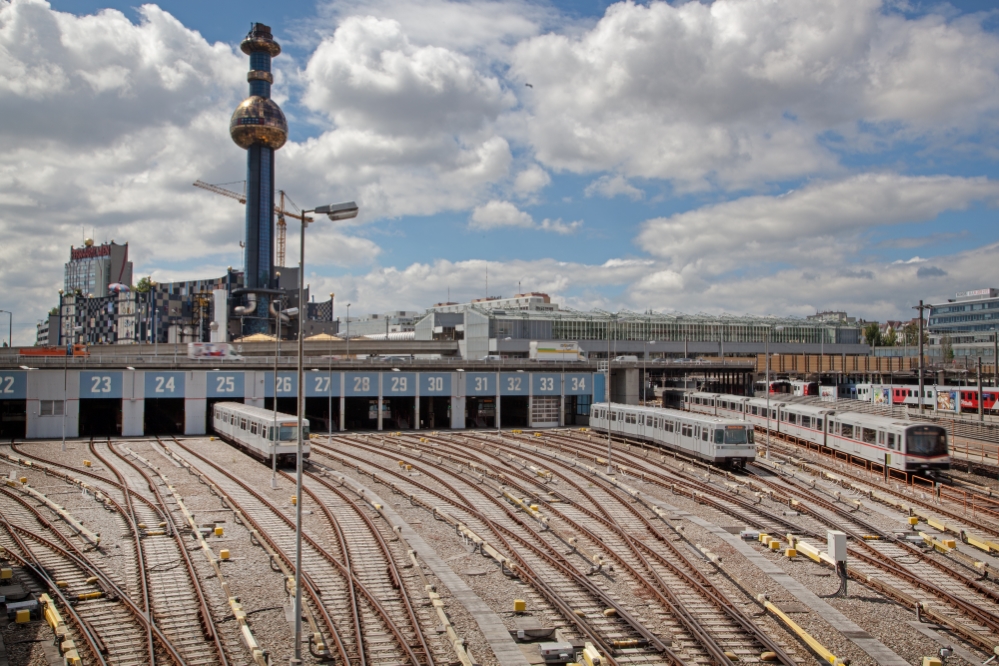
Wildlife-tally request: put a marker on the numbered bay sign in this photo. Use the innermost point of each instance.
(398, 384)
(226, 384)
(361, 384)
(164, 385)
(514, 383)
(95, 385)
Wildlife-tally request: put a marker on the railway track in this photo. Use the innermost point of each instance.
(563, 581)
(709, 614)
(176, 592)
(116, 622)
(967, 603)
(325, 576)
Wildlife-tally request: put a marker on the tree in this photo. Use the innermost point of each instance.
(144, 286)
(890, 338)
(54, 311)
(947, 348)
(872, 334)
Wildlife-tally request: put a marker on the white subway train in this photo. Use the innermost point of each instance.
(895, 443)
(717, 440)
(259, 433)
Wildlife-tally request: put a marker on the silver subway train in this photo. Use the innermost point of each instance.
(259, 432)
(906, 446)
(722, 441)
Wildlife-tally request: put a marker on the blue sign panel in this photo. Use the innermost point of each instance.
(13, 385)
(514, 383)
(579, 384)
(548, 383)
(361, 385)
(398, 384)
(435, 383)
(599, 382)
(225, 384)
(322, 384)
(100, 385)
(287, 385)
(164, 385)
(480, 383)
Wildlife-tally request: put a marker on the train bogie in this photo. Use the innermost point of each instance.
(716, 440)
(259, 432)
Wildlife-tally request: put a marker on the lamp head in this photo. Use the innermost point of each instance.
(340, 211)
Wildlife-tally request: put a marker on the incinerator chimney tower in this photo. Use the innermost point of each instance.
(259, 126)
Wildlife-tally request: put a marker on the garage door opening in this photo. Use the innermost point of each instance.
(164, 416)
(577, 410)
(284, 405)
(100, 417)
(210, 413)
(435, 413)
(13, 419)
(361, 413)
(513, 411)
(317, 410)
(480, 412)
(398, 413)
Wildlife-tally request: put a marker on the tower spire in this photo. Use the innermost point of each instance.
(259, 126)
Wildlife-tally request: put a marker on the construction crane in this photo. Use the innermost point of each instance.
(282, 227)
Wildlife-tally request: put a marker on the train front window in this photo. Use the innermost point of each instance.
(736, 435)
(926, 441)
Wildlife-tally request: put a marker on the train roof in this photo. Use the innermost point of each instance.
(257, 412)
(762, 402)
(674, 413)
(873, 420)
(812, 410)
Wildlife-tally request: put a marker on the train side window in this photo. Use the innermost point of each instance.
(881, 437)
(648, 420)
(891, 441)
(704, 434)
(846, 430)
(806, 421)
(242, 424)
(233, 420)
(754, 408)
(869, 436)
(818, 424)
(719, 436)
(253, 427)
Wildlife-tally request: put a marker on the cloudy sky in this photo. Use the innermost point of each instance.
(741, 156)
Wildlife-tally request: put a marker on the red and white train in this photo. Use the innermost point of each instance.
(896, 444)
(951, 399)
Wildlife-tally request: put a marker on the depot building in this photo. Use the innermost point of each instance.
(51, 403)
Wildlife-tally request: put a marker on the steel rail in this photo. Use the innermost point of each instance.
(106, 582)
(883, 561)
(208, 625)
(371, 598)
(697, 580)
(393, 569)
(889, 567)
(93, 475)
(994, 531)
(289, 562)
(560, 564)
(93, 641)
(133, 521)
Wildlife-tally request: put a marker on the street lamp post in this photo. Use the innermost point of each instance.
(335, 212)
(607, 391)
(152, 299)
(277, 357)
(329, 384)
(348, 331)
(770, 329)
(10, 327)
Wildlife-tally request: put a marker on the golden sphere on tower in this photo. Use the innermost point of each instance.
(89, 242)
(258, 121)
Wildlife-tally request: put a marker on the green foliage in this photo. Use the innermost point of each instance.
(890, 338)
(872, 334)
(54, 311)
(947, 347)
(144, 286)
